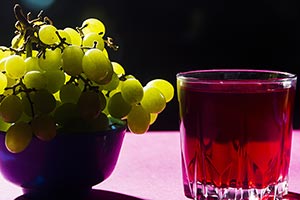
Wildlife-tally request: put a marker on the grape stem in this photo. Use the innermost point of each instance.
(111, 44)
(27, 91)
(79, 29)
(20, 16)
(27, 29)
(28, 47)
(87, 83)
(4, 49)
(62, 40)
(108, 41)
(21, 87)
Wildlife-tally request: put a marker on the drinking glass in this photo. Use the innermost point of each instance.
(236, 132)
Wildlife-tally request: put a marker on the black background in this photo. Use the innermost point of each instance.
(158, 39)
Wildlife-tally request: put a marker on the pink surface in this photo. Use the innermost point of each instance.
(149, 169)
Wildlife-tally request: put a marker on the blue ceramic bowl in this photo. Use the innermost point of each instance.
(68, 164)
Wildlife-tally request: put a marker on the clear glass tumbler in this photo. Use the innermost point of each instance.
(236, 131)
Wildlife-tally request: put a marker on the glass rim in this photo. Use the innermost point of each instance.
(190, 76)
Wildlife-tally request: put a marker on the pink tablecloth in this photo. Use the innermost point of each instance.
(149, 169)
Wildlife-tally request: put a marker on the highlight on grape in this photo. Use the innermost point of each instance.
(63, 79)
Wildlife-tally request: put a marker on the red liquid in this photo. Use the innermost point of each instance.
(239, 138)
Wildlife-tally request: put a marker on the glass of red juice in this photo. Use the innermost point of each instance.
(236, 132)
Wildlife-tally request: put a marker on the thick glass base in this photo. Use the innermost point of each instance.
(198, 191)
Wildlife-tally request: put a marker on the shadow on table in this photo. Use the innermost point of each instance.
(94, 195)
(108, 195)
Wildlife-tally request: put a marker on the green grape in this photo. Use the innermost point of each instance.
(100, 123)
(118, 69)
(44, 127)
(44, 101)
(66, 113)
(132, 91)
(2, 64)
(51, 60)
(164, 86)
(138, 119)
(72, 60)
(90, 39)
(80, 83)
(105, 110)
(93, 25)
(96, 66)
(11, 108)
(64, 35)
(47, 34)
(129, 76)
(28, 108)
(18, 137)
(89, 104)
(55, 79)
(102, 100)
(113, 84)
(74, 36)
(3, 82)
(113, 92)
(35, 79)
(25, 118)
(117, 107)
(107, 78)
(69, 93)
(4, 126)
(32, 64)
(105, 53)
(10, 82)
(4, 52)
(15, 66)
(153, 117)
(153, 101)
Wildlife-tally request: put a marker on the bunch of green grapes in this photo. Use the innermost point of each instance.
(52, 79)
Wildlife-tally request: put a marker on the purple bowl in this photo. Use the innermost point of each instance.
(68, 164)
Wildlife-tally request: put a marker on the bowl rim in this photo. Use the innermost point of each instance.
(115, 128)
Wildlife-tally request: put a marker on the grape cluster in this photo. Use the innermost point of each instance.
(55, 79)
